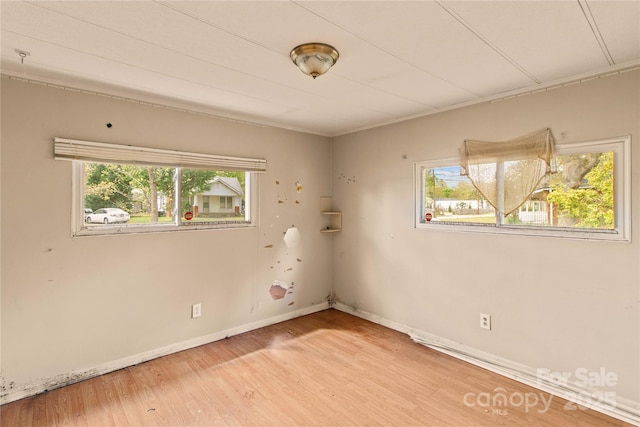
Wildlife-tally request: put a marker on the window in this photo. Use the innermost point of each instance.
(133, 189)
(587, 195)
(226, 202)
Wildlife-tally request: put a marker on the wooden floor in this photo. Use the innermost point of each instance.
(325, 369)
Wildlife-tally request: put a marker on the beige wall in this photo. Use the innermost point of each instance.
(71, 304)
(558, 304)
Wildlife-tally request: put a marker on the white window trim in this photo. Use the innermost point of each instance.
(620, 146)
(79, 152)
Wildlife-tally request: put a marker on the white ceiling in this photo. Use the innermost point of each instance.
(398, 59)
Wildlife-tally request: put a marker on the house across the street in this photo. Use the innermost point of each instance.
(223, 198)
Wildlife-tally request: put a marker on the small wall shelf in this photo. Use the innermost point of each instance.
(334, 218)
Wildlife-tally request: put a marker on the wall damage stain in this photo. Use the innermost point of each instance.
(281, 198)
(278, 289)
(331, 299)
(349, 180)
(5, 388)
(289, 296)
(281, 290)
(298, 259)
(268, 246)
(48, 384)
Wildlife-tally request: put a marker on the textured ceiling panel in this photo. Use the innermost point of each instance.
(619, 25)
(550, 39)
(426, 36)
(398, 59)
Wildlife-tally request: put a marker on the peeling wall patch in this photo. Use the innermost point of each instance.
(278, 289)
(292, 237)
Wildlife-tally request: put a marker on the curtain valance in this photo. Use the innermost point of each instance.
(507, 173)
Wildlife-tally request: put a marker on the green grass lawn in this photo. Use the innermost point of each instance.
(146, 219)
(478, 219)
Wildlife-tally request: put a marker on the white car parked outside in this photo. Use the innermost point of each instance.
(108, 216)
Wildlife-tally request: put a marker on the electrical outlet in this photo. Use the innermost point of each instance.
(196, 310)
(485, 321)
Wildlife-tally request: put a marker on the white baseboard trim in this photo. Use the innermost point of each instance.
(623, 409)
(19, 392)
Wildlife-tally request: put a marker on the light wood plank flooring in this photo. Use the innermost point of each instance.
(325, 369)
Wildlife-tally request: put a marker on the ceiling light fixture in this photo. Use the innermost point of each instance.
(314, 59)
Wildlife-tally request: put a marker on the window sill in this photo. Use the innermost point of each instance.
(566, 233)
(107, 230)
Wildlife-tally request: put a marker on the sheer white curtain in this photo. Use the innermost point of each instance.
(507, 173)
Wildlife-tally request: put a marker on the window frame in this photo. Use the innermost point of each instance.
(226, 202)
(79, 228)
(79, 152)
(621, 148)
